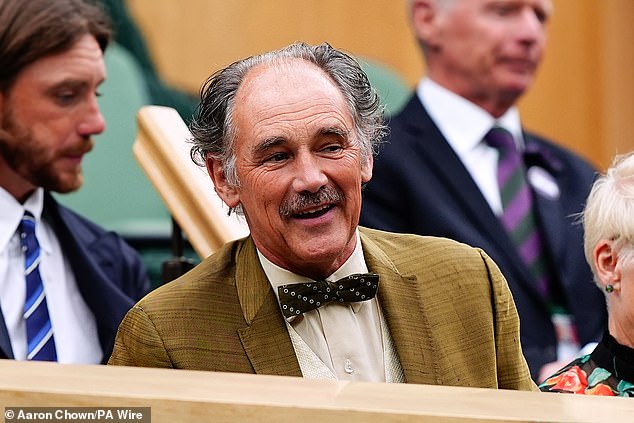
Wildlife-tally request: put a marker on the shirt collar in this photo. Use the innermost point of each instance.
(278, 276)
(462, 123)
(11, 213)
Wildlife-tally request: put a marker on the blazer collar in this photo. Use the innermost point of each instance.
(6, 351)
(102, 295)
(445, 163)
(265, 339)
(402, 307)
(549, 208)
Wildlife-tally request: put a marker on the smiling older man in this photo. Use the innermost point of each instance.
(288, 139)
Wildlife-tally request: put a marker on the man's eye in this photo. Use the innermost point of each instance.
(332, 148)
(277, 157)
(541, 16)
(66, 98)
(503, 10)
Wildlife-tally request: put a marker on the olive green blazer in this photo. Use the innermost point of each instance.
(448, 308)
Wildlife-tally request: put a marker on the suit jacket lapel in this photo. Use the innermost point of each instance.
(440, 157)
(552, 226)
(107, 304)
(5, 342)
(548, 209)
(405, 315)
(265, 339)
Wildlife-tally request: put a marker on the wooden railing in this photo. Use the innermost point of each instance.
(196, 396)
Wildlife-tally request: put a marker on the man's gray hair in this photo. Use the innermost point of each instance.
(213, 128)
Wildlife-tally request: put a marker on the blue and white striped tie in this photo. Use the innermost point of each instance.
(39, 332)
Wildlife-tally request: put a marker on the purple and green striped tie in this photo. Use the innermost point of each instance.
(518, 216)
(39, 332)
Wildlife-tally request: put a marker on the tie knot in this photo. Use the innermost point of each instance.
(27, 231)
(501, 139)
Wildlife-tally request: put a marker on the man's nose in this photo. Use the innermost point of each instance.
(92, 122)
(309, 174)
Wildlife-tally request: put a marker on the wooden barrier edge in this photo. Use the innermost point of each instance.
(180, 395)
(162, 150)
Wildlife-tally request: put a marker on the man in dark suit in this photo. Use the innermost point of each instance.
(437, 174)
(287, 138)
(65, 283)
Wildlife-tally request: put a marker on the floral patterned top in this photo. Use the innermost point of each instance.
(608, 370)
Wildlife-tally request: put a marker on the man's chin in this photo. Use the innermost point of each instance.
(63, 186)
(518, 83)
(67, 189)
(64, 190)
(513, 90)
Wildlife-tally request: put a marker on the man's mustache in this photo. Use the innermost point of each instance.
(302, 200)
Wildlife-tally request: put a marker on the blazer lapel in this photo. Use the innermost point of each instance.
(5, 342)
(107, 303)
(439, 156)
(405, 316)
(265, 339)
(548, 207)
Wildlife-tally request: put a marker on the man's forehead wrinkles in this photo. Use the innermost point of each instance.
(323, 117)
(305, 106)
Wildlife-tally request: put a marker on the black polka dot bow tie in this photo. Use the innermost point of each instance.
(298, 298)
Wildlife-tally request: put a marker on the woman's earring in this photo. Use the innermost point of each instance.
(609, 288)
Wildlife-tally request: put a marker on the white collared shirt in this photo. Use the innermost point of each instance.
(347, 338)
(74, 325)
(464, 125)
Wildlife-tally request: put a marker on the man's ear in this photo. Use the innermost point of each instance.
(366, 169)
(227, 192)
(605, 262)
(424, 15)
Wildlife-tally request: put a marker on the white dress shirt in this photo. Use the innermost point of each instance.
(74, 326)
(464, 125)
(347, 338)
